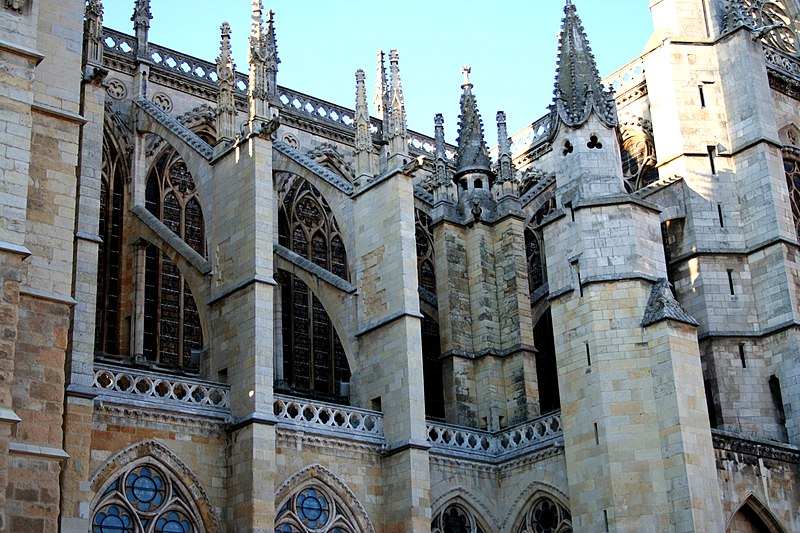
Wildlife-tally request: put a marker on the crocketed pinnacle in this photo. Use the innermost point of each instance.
(440, 154)
(472, 155)
(141, 14)
(578, 91)
(363, 140)
(226, 105)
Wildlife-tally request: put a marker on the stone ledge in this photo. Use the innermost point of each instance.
(49, 296)
(9, 416)
(63, 114)
(22, 51)
(736, 443)
(33, 450)
(16, 249)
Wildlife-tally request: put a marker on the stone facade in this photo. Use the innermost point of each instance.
(228, 306)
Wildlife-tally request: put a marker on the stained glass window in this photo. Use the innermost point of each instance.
(313, 508)
(144, 499)
(792, 168)
(455, 519)
(534, 246)
(314, 361)
(172, 322)
(425, 258)
(638, 154)
(546, 516)
(109, 261)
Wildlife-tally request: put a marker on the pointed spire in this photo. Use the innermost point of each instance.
(472, 155)
(578, 90)
(141, 25)
(264, 62)
(505, 171)
(93, 29)
(226, 106)
(397, 101)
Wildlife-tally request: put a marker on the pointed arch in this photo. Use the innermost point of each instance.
(173, 328)
(315, 481)
(175, 494)
(461, 497)
(527, 498)
(751, 511)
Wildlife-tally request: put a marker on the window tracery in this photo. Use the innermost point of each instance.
(638, 153)
(172, 322)
(546, 516)
(791, 166)
(454, 518)
(109, 260)
(313, 508)
(145, 499)
(775, 20)
(314, 361)
(425, 258)
(534, 246)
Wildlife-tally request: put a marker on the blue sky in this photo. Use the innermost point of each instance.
(510, 45)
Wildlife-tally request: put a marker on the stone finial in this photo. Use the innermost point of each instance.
(363, 140)
(506, 168)
(226, 106)
(93, 30)
(141, 25)
(398, 105)
(578, 91)
(472, 155)
(466, 70)
(264, 61)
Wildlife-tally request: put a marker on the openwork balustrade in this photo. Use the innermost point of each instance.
(191, 68)
(325, 416)
(151, 386)
(626, 77)
(524, 437)
(531, 136)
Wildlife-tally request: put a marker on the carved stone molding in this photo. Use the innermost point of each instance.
(15, 5)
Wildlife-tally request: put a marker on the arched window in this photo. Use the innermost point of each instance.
(425, 258)
(638, 153)
(172, 322)
(546, 368)
(109, 260)
(534, 246)
(792, 167)
(145, 499)
(314, 361)
(432, 369)
(455, 518)
(546, 516)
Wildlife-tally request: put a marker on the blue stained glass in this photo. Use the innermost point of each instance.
(286, 528)
(145, 489)
(173, 523)
(112, 519)
(312, 508)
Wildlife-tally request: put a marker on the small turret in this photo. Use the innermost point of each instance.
(504, 185)
(398, 133)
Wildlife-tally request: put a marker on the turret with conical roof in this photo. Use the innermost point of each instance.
(578, 90)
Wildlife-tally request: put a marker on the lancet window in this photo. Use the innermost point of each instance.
(455, 519)
(546, 516)
(312, 508)
(638, 154)
(314, 362)
(425, 258)
(534, 246)
(145, 499)
(109, 260)
(792, 167)
(172, 328)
